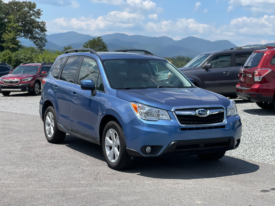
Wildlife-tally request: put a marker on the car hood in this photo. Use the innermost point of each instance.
(17, 76)
(168, 98)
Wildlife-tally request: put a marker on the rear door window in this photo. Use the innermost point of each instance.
(221, 61)
(241, 58)
(45, 69)
(70, 69)
(55, 71)
(273, 60)
(254, 60)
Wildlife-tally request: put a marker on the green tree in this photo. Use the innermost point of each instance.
(2, 25)
(96, 44)
(9, 37)
(27, 17)
(65, 48)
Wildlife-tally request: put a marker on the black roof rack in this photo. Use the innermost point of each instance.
(138, 50)
(3, 63)
(47, 63)
(248, 47)
(81, 49)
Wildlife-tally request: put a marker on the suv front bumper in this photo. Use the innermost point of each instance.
(15, 88)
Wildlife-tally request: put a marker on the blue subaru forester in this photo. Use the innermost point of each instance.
(135, 104)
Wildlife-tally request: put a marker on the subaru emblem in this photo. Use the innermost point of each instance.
(202, 112)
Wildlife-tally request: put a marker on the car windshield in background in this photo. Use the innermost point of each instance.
(26, 70)
(197, 61)
(253, 60)
(142, 74)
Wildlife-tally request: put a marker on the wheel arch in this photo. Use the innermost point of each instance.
(109, 115)
(46, 104)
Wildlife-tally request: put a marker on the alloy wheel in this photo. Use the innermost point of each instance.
(112, 145)
(49, 124)
(36, 88)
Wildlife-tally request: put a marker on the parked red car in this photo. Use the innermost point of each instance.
(26, 77)
(257, 78)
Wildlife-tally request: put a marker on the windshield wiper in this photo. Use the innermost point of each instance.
(246, 67)
(127, 88)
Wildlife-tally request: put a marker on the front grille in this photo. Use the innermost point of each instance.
(11, 81)
(203, 146)
(196, 120)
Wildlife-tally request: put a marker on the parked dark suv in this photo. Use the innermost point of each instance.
(218, 71)
(26, 77)
(4, 69)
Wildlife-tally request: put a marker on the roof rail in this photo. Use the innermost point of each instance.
(3, 63)
(81, 49)
(248, 47)
(138, 50)
(47, 63)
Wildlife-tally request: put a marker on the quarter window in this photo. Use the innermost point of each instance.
(55, 71)
(273, 60)
(70, 69)
(221, 61)
(241, 59)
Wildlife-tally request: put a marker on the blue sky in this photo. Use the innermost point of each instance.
(239, 21)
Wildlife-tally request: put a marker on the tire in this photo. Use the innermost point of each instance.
(36, 88)
(212, 156)
(121, 161)
(6, 94)
(52, 133)
(265, 105)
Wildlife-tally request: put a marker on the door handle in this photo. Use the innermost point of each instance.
(74, 94)
(55, 87)
(226, 73)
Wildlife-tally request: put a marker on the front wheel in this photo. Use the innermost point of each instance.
(6, 94)
(265, 105)
(36, 88)
(212, 156)
(114, 147)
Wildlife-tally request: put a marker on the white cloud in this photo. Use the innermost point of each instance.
(255, 5)
(114, 2)
(182, 26)
(205, 11)
(230, 8)
(197, 5)
(153, 16)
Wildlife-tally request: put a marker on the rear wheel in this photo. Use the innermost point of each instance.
(265, 105)
(52, 133)
(212, 156)
(6, 94)
(114, 147)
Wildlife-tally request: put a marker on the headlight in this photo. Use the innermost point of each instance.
(27, 79)
(232, 109)
(149, 113)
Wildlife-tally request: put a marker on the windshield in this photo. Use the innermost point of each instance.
(197, 61)
(26, 70)
(253, 60)
(142, 74)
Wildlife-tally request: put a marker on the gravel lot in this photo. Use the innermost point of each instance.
(34, 172)
(258, 139)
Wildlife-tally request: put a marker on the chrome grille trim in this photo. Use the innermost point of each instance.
(11, 81)
(194, 107)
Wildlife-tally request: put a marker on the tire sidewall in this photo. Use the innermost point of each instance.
(114, 125)
(34, 92)
(50, 109)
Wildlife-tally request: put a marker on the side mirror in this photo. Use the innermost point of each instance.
(88, 84)
(207, 66)
(44, 72)
(191, 80)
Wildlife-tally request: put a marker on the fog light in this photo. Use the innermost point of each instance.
(148, 149)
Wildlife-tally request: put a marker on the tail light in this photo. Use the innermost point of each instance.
(43, 82)
(260, 73)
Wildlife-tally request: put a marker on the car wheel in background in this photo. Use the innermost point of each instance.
(212, 156)
(52, 133)
(36, 88)
(6, 94)
(265, 105)
(114, 147)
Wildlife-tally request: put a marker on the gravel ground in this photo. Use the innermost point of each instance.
(258, 139)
